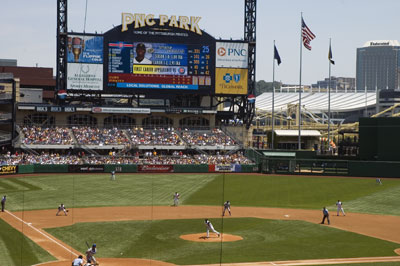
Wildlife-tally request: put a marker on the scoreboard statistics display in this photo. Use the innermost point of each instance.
(159, 66)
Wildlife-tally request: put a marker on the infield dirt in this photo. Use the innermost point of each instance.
(379, 226)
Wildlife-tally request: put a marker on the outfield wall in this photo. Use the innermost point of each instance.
(330, 167)
(130, 168)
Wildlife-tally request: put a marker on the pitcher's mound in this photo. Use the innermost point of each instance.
(202, 237)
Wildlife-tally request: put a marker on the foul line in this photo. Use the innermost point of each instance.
(40, 232)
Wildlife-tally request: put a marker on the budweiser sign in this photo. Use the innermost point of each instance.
(156, 168)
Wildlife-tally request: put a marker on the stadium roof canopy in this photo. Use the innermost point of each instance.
(295, 133)
(317, 102)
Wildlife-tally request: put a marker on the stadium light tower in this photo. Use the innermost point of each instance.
(250, 37)
(62, 39)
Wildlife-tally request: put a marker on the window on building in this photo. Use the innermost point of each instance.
(82, 120)
(39, 120)
(119, 121)
(157, 121)
(194, 122)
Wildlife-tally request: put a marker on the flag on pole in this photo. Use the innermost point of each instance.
(330, 55)
(276, 55)
(306, 34)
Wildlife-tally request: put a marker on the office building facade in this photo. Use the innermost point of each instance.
(378, 66)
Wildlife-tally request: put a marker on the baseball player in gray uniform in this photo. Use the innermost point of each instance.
(339, 205)
(176, 199)
(227, 207)
(61, 208)
(209, 227)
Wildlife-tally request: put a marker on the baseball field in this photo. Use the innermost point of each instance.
(275, 220)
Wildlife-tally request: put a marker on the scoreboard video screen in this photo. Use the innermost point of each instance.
(159, 66)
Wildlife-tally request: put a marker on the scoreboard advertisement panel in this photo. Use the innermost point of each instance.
(166, 56)
(85, 62)
(160, 66)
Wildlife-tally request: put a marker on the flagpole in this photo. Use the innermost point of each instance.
(301, 53)
(273, 99)
(329, 98)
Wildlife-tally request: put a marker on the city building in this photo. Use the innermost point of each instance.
(338, 84)
(378, 66)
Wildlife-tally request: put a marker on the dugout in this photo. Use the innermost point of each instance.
(278, 162)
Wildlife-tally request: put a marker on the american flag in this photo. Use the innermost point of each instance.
(306, 34)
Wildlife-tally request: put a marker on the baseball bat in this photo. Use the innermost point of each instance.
(87, 244)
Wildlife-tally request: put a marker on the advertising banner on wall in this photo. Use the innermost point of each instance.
(156, 168)
(225, 168)
(85, 49)
(8, 169)
(231, 81)
(231, 55)
(85, 168)
(85, 77)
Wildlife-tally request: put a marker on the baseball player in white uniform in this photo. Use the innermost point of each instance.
(176, 199)
(227, 207)
(339, 205)
(209, 227)
(112, 175)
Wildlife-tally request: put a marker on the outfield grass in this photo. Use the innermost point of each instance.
(264, 240)
(357, 194)
(16, 249)
(47, 191)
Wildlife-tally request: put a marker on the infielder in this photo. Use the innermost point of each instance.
(112, 175)
(209, 227)
(62, 208)
(90, 255)
(176, 199)
(227, 206)
(339, 205)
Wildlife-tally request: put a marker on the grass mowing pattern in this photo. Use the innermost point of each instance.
(382, 202)
(264, 240)
(296, 192)
(358, 195)
(48, 191)
(16, 249)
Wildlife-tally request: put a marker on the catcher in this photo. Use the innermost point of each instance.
(62, 208)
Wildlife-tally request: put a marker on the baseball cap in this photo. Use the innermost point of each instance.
(141, 46)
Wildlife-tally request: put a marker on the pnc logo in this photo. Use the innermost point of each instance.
(221, 51)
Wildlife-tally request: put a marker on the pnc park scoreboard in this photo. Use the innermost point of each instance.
(159, 56)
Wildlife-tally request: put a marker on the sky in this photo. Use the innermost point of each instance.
(28, 29)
